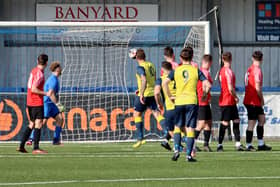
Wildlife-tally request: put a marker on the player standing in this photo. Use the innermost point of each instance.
(204, 109)
(169, 113)
(51, 109)
(186, 77)
(35, 105)
(227, 102)
(254, 102)
(146, 76)
(169, 57)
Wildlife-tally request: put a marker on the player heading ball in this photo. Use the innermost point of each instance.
(146, 76)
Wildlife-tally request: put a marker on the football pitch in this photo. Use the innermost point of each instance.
(117, 164)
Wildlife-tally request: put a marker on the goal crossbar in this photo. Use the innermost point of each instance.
(205, 24)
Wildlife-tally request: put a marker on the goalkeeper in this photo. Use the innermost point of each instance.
(51, 106)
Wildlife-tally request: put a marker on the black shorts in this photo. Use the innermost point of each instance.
(229, 113)
(204, 113)
(254, 112)
(35, 112)
(150, 103)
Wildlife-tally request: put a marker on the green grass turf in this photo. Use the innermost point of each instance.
(84, 164)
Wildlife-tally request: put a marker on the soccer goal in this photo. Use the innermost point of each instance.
(98, 80)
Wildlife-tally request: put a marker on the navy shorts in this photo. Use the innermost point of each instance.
(150, 102)
(170, 119)
(186, 115)
(50, 110)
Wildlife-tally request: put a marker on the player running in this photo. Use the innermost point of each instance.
(169, 113)
(204, 109)
(254, 103)
(146, 76)
(186, 78)
(227, 102)
(35, 105)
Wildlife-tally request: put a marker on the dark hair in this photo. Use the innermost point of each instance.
(187, 54)
(168, 52)
(207, 58)
(227, 56)
(54, 65)
(140, 54)
(42, 59)
(166, 65)
(258, 55)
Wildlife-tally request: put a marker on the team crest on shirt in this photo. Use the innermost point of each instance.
(185, 75)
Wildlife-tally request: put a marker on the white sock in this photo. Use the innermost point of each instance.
(248, 145)
(237, 144)
(219, 145)
(261, 142)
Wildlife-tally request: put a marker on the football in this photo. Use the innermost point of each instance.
(132, 53)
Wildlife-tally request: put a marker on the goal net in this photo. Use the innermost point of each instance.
(98, 81)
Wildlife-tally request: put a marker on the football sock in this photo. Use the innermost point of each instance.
(37, 135)
(249, 137)
(161, 121)
(140, 127)
(222, 131)
(25, 137)
(236, 132)
(57, 132)
(196, 134)
(207, 134)
(167, 136)
(177, 138)
(190, 142)
(260, 132)
(32, 135)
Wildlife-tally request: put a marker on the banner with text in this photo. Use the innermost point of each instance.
(98, 13)
(268, 21)
(13, 119)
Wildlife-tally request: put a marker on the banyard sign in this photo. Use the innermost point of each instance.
(97, 12)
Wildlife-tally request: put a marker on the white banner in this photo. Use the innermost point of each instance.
(272, 113)
(98, 13)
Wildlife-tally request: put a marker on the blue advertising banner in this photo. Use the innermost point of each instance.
(268, 21)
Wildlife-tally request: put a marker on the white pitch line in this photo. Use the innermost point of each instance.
(139, 180)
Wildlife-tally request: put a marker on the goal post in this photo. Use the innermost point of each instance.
(98, 80)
